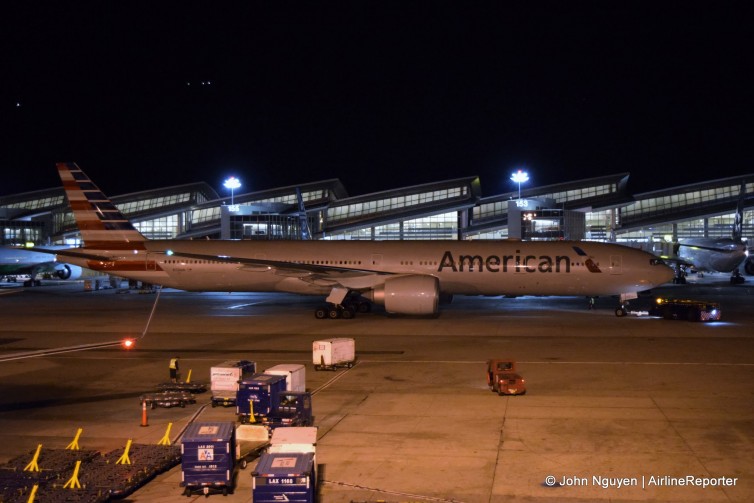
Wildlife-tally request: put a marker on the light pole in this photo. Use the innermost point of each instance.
(232, 183)
(520, 177)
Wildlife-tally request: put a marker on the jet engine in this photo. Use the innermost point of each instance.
(749, 266)
(68, 271)
(407, 295)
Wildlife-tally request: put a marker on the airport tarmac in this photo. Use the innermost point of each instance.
(619, 409)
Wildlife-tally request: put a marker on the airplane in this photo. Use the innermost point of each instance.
(18, 261)
(406, 277)
(715, 254)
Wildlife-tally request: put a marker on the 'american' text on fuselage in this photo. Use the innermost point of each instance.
(496, 263)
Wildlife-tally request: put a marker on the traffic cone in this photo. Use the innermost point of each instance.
(144, 413)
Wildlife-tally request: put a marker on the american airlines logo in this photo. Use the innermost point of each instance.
(515, 263)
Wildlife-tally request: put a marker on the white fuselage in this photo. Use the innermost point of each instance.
(314, 267)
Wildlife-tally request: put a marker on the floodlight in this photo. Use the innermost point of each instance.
(520, 177)
(232, 183)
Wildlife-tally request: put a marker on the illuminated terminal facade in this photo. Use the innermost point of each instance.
(597, 209)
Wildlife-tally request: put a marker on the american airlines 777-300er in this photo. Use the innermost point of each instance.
(407, 277)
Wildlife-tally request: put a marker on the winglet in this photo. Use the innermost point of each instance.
(101, 224)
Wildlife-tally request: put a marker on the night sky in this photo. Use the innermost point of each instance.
(379, 94)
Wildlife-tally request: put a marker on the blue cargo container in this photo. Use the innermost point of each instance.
(208, 457)
(261, 393)
(284, 476)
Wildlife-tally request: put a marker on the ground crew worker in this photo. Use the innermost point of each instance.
(173, 369)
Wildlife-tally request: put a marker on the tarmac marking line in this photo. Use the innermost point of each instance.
(457, 362)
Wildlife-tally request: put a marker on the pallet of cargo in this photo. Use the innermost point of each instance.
(168, 399)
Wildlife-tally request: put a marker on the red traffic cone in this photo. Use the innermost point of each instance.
(144, 413)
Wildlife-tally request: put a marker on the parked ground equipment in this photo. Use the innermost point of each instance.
(191, 387)
(294, 439)
(257, 396)
(208, 458)
(168, 399)
(686, 309)
(292, 408)
(251, 441)
(295, 375)
(332, 354)
(284, 476)
(503, 379)
(224, 379)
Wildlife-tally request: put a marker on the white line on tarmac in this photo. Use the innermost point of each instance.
(335, 378)
(434, 362)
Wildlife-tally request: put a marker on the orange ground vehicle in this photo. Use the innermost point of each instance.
(503, 379)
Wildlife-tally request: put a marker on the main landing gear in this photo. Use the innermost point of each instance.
(736, 278)
(346, 310)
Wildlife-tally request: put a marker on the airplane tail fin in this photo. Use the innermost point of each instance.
(101, 224)
(739, 218)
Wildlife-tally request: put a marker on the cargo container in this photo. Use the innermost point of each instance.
(224, 379)
(208, 456)
(331, 354)
(284, 476)
(295, 439)
(258, 395)
(295, 375)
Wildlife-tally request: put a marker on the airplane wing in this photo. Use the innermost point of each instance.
(288, 268)
(75, 252)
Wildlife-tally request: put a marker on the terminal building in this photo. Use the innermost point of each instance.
(599, 209)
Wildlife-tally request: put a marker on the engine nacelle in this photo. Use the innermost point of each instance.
(749, 266)
(407, 295)
(68, 271)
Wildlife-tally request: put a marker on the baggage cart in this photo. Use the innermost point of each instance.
(284, 476)
(191, 387)
(332, 354)
(251, 441)
(295, 375)
(208, 458)
(224, 379)
(258, 396)
(294, 439)
(167, 399)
